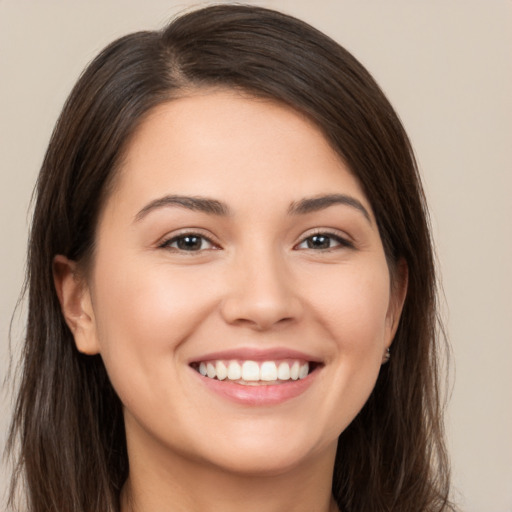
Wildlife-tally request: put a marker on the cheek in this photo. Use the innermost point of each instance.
(352, 312)
(143, 314)
(353, 306)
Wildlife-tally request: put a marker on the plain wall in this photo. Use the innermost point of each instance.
(445, 66)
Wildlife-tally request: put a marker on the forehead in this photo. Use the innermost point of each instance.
(216, 142)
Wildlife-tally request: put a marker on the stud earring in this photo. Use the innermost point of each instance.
(386, 357)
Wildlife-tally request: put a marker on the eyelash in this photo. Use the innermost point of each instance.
(340, 241)
(167, 244)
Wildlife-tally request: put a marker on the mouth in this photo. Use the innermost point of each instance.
(253, 377)
(255, 373)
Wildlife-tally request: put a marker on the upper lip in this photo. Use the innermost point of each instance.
(257, 354)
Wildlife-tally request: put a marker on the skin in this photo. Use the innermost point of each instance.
(149, 308)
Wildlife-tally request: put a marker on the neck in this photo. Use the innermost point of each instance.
(173, 483)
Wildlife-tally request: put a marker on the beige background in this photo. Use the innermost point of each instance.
(446, 67)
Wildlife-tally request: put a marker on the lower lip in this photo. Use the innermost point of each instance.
(258, 395)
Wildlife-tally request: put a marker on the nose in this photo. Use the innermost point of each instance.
(262, 294)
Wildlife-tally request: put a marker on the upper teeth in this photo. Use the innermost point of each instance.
(252, 371)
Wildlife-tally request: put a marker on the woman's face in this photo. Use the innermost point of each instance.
(237, 243)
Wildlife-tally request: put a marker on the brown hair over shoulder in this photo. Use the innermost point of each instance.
(68, 422)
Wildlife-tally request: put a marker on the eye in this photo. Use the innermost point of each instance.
(188, 242)
(323, 241)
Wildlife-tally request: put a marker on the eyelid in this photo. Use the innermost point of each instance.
(343, 239)
(164, 242)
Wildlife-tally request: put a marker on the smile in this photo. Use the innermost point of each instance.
(257, 378)
(252, 372)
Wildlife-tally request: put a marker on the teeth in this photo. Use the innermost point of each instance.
(210, 370)
(251, 371)
(222, 371)
(283, 372)
(303, 371)
(294, 371)
(268, 371)
(234, 371)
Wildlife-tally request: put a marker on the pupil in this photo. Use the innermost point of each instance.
(189, 243)
(319, 242)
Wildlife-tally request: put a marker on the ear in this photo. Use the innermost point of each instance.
(76, 305)
(400, 281)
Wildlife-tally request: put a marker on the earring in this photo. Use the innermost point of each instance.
(386, 357)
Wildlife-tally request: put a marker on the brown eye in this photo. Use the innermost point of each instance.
(319, 242)
(323, 241)
(188, 242)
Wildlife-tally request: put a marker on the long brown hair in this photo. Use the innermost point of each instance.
(68, 423)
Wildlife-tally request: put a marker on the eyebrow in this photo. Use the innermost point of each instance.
(200, 204)
(215, 207)
(317, 203)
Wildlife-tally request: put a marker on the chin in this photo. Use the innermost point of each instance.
(254, 463)
(267, 454)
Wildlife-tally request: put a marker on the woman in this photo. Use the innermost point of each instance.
(231, 284)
